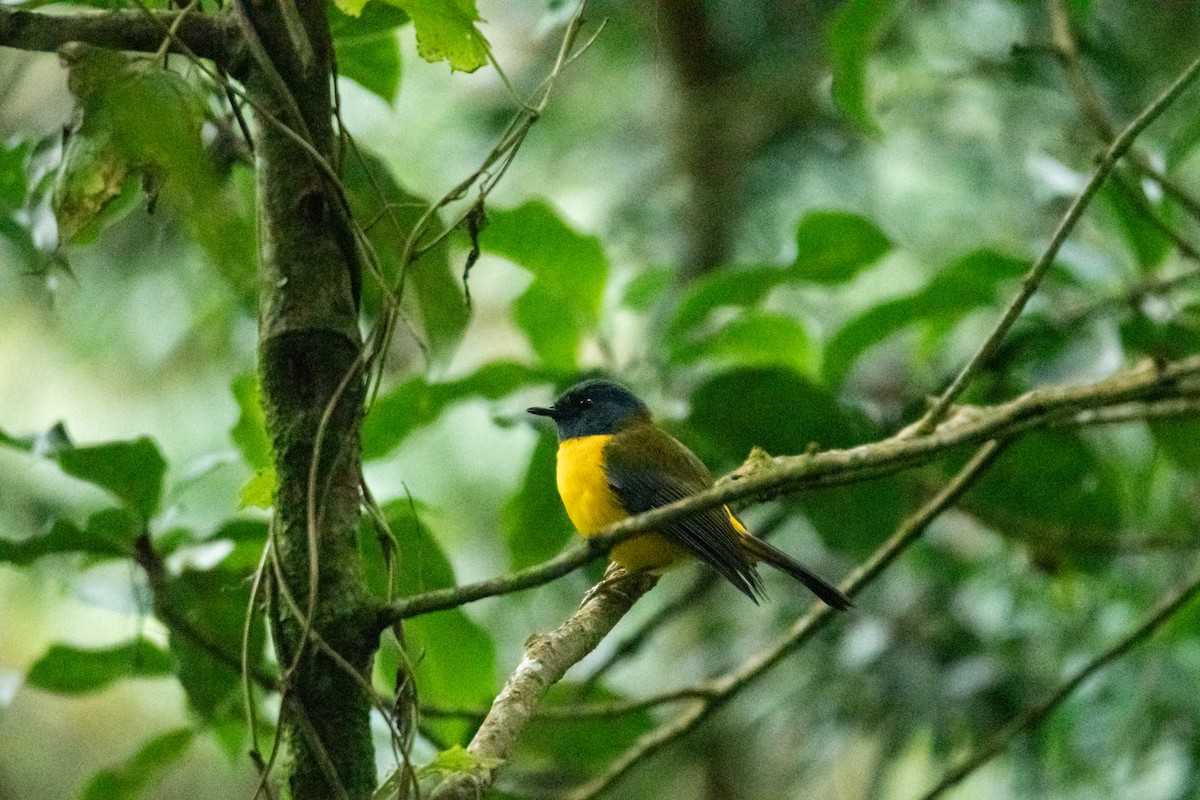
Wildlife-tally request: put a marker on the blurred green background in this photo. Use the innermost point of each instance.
(695, 215)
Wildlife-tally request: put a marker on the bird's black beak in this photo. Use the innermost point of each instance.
(551, 412)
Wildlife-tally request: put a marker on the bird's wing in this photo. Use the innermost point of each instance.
(648, 468)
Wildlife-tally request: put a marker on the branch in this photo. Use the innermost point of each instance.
(546, 659)
(1037, 714)
(725, 687)
(1034, 276)
(210, 37)
(763, 477)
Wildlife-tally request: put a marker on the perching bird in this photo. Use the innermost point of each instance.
(614, 462)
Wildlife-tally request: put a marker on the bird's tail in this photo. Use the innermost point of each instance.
(763, 551)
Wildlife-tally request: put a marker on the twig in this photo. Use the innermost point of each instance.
(1029, 284)
(1037, 714)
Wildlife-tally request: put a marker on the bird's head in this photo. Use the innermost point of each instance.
(594, 408)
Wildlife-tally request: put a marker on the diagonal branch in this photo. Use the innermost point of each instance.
(763, 477)
(210, 37)
(1029, 284)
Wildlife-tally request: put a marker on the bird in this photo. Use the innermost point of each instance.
(614, 462)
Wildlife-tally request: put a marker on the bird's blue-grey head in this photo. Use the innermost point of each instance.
(594, 408)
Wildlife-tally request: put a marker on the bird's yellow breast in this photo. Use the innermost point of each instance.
(583, 486)
(592, 505)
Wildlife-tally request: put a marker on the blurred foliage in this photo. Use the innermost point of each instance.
(882, 174)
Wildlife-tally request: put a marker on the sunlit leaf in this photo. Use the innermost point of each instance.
(372, 60)
(131, 471)
(569, 270)
(64, 669)
(417, 403)
(249, 433)
(432, 303)
(259, 490)
(446, 31)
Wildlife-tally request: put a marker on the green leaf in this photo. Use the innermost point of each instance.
(458, 759)
(648, 288)
(834, 246)
(454, 658)
(446, 31)
(1130, 212)
(727, 288)
(417, 403)
(969, 283)
(109, 534)
(374, 18)
(71, 670)
(94, 186)
(372, 60)
(535, 523)
(131, 471)
(576, 746)
(249, 433)
(259, 490)
(204, 612)
(141, 771)
(432, 303)
(569, 270)
(853, 31)
(1052, 491)
(758, 339)
(770, 407)
(1179, 440)
(45, 444)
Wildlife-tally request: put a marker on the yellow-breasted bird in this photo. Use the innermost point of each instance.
(614, 462)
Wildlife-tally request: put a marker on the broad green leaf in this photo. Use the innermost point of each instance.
(72, 670)
(249, 433)
(13, 180)
(853, 32)
(535, 523)
(834, 246)
(757, 339)
(1179, 440)
(417, 403)
(569, 270)
(785, 413)
(1052, 491)
(143, 770)
(352, 8)
(371, 60)
(723, 289)
(967, 284)
(773, 408)
(446, 31)
(432, 302)
(131, 471)
(109, 534)
(204, 612)
(454, 658)
(117, 94)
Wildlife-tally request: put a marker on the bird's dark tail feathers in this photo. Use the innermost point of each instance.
(760, 550)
